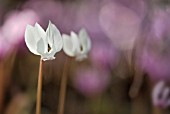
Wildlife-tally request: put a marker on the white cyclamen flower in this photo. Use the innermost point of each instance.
(160, 95)
(77, 45)
(38, 41)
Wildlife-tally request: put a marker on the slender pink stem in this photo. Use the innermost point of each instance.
(63, 87)
(39, 89)
(1, 87)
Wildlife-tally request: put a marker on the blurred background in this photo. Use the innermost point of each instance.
(127, 70)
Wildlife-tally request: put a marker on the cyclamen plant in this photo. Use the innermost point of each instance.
(38, 42)
(76, 46)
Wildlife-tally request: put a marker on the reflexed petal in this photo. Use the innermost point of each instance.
(165, 93)
(76, 43)
(85, 40)
(68, 45)
(41, 33)
(54, 37)
(156, 91)
(31, 39)
(40, 46)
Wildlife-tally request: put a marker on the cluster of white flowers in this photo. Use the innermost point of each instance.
(48, 43)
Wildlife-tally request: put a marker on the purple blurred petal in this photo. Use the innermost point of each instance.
(156, 55)
(4, 47)
(47, 10)
(104, 55)
(121, 24)
(91, 82)
(15, 24)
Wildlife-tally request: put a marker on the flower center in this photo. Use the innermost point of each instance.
(81, 48)
(49, 48)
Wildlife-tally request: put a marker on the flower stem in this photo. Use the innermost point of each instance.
(63, 87)
(1, 86)
(39, 89)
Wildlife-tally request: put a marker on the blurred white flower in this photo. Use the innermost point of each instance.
(42, 43)
(77, 45)
(160, 95)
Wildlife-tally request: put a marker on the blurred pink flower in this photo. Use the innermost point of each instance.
(104, 55)
(15, 24)
(47, 10)
(160, 24)
(155, 57)
(156, 66)
(4, 47)
(91, 82)
(138, 6)
(160, 95)
(121, 24)
(87, 15)
(70, 16)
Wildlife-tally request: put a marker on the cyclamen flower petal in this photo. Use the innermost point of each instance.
(85, 40)
(31, 39)
(156, 91)
(77, 45)
(160, 95)
(91, 82)
(37, 40)
(68, 46)
(54, 37)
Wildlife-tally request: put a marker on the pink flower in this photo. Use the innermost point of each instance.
(14, 26)
(47, 10)
(104, 55)
(91, 82)
(155, 56)
(91, 10)
(138, 6)
(121, 24)
(4, 48)
(156, 66)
